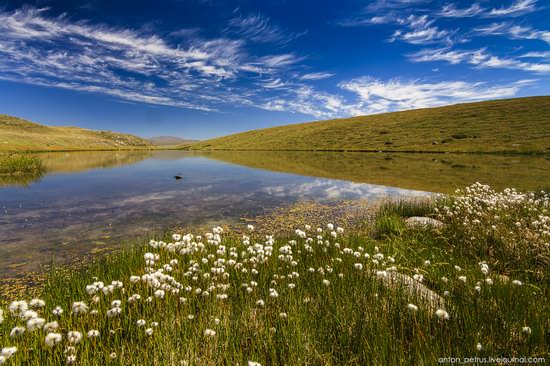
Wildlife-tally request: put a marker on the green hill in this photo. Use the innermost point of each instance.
(17, 134)
(519, 125)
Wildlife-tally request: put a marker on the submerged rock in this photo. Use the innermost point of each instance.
(419, 221)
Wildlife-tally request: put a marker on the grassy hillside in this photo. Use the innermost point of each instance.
(17, 134)
(169, 140)
(514, 125)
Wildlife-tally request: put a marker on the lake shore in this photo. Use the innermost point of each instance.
(436, 289)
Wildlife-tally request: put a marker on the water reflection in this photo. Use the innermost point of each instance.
(90, 200)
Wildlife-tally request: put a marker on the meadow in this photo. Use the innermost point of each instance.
(471, 281)
(518, 125)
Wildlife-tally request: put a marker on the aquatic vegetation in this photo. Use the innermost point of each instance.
(11, 163)
(320, 295)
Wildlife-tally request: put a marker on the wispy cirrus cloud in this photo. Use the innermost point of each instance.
(480, 58)
(259, 28)
(517, 8)
(420, 30)
(513, 31)
(129, 64)
(381, 96)
(369, 95)
(451, 11)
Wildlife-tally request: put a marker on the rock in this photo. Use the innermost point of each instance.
(178, 177)
(394, 280)
(418, 221)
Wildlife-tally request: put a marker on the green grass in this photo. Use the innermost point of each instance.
(17, 134)
(19, 169)
(515, 125)
(353, 319)
(19, 164)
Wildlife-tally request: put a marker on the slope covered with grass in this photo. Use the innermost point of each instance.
(17, 134)
(514, 125)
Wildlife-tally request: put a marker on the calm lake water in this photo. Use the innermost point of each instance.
(88, 201)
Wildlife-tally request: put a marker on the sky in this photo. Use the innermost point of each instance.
(205, 68)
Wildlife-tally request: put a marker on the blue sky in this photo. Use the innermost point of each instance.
(203, 68)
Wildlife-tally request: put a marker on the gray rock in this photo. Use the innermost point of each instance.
(418, 221)
(394, 280)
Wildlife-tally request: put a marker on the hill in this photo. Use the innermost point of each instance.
(169, 140)
(520, 125)
(17, 134)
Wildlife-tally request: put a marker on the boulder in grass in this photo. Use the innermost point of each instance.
(419, 221)
(425, 297)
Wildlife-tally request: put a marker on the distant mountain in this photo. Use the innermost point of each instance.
(169, 140)
(518, 125)
(17, 134)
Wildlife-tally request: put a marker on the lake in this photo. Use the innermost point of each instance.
(89, 201)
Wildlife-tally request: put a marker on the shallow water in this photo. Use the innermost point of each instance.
(89, 201)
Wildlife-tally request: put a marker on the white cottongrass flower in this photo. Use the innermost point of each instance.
(141, 323)
(17, 332)
(526, 330)
(326, 282)
(358, 266)
(93, 333)
(517, 282)
(260, 302)
(418, 277)
(149, 331)
(112, 355)
(412, 307)
(7, 352)
(479, 347)
(283, 315)
(80, 307)
(154, 324)
(111, 313)
(71, 359)
(1, 316)
(74, 337)
(462, 278)
(442, 314)
(48, 327)
(159, 294)
(250, 227)
(57, 311)
(135, 279)
(52, 339)
(35, 324)
(18, 307)
(273, 293)
(209, 333)
(253, 363)
(29, 314)
(37, 303)
(489, 281)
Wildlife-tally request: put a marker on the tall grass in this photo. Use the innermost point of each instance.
(321, 297)
(20, 164)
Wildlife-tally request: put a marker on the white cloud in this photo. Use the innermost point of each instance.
(316, 76)
(535, 54)
(132, 65)
(479, 58)
(450, 11)
(519, 7)
(259, 28)
(513, 31)
(420, 30)
(380, 96)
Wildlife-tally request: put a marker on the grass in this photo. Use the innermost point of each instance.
(17, 134)
(502, 126)
(328, 298)
(19, 168)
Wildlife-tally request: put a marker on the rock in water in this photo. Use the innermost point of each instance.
(418, 221)
(178, 177)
